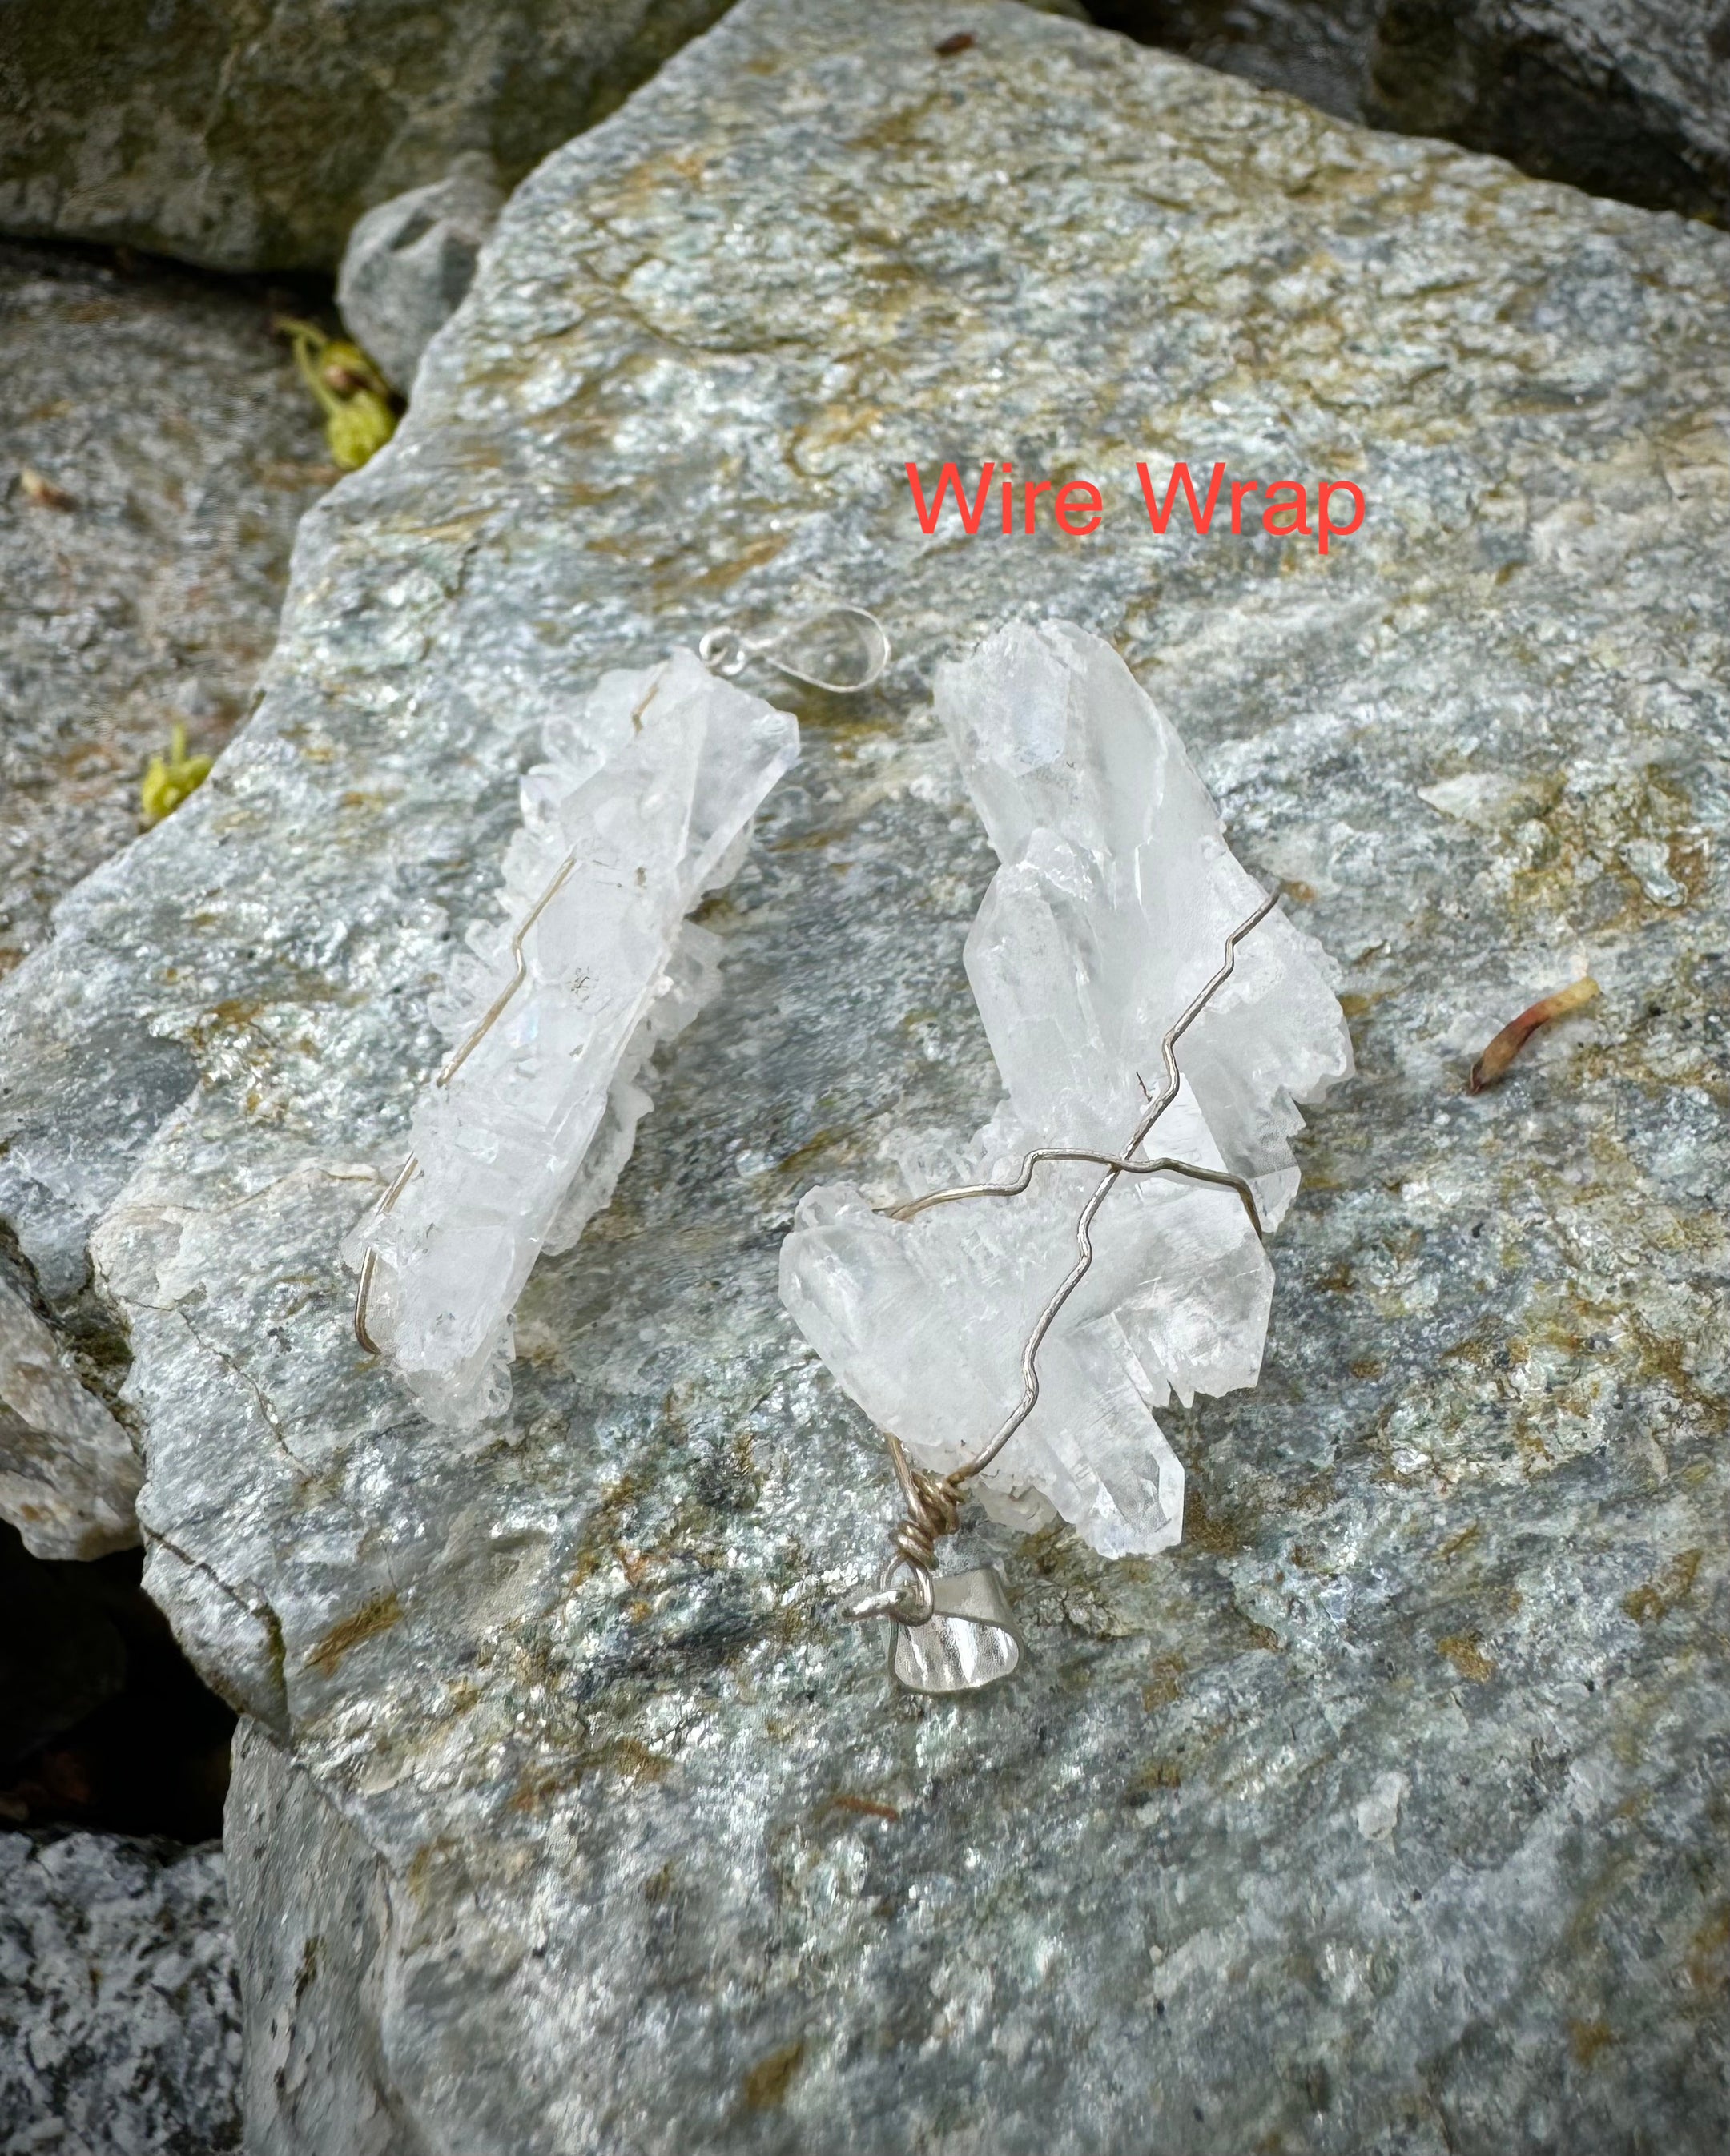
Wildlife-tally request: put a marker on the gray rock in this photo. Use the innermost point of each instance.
(1625, 97)
(409, 262)
(1384, 1814)
(1628, 98)
(251, 138)
(313, 1975)
(120, 2023)
(1316, 50)
(161, 407)
(68, 1473)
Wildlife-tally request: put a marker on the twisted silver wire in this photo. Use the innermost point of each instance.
(932, 1499)
(1084, 1240)
(519, 974)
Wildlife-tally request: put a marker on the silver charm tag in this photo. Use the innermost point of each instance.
(969, 1639)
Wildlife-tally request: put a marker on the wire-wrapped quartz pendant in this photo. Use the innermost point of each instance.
(644, 804)
(1022, 1326)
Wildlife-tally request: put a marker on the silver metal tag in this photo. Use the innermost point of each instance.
(969, 1639)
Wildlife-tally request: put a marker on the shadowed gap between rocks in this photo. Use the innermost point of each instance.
(104, 1724)
(1567, 91)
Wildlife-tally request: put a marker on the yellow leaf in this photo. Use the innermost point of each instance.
(354, 397)
(169, 779)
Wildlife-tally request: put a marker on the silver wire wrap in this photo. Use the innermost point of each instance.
(519, 973)
(932, 1502)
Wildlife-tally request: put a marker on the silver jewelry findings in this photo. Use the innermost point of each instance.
(1118, 917)
(849, 639)
(956, 1633)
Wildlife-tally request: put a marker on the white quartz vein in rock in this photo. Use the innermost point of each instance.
(1112, 907)
(643, 804)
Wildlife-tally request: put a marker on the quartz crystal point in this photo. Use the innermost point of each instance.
(645, 803)
(1112, 908)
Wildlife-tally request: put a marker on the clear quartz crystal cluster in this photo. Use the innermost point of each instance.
(1112, 907)
(643, 804)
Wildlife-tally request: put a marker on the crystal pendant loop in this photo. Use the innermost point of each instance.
(727, 651)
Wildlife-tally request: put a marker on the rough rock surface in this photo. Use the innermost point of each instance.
(162, 406)
(119, 2020)
(159, 405)
(313, 1970)
(409, 262)
(69, 1473)
(248, 137)
(1387, 1813)
(1625, 97)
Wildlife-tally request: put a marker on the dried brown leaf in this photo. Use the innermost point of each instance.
(42, 493)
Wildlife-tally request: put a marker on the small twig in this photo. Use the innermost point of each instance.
(1493, 1063)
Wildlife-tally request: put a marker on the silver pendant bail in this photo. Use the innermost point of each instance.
(969, 1641)
(728, 651)
(947, 1634)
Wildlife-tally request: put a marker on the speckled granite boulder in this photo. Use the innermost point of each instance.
(1625, 97)
(160, 408)
(120, 2021)
(1386, 1813)
(251, 138)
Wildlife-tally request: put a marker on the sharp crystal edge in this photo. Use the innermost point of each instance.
(643, 805)
(1111, 909)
